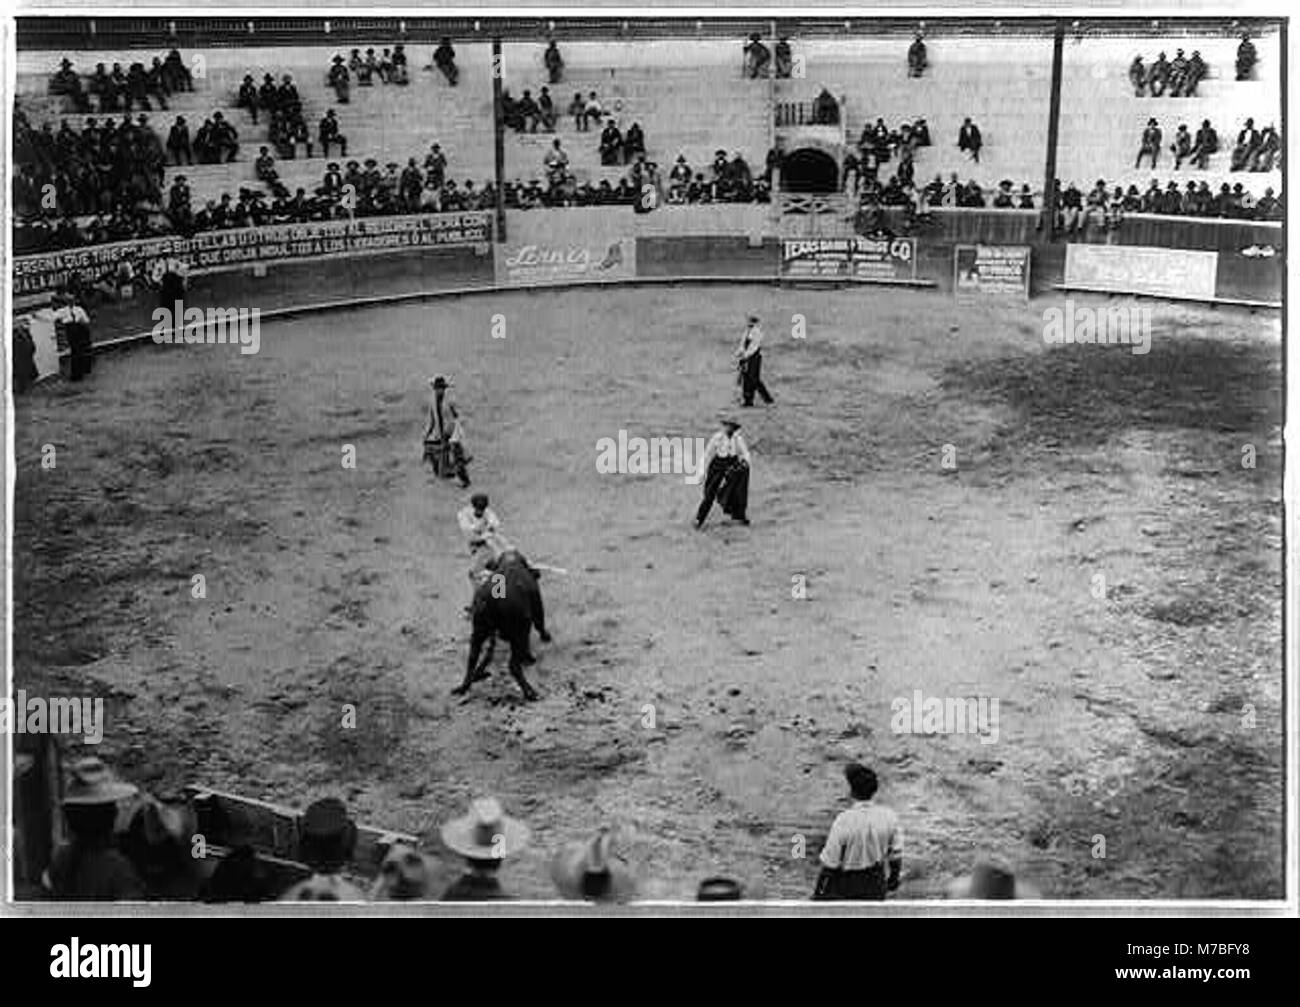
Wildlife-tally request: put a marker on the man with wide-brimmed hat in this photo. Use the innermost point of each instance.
(89, 867)
(485, 837)
(590, 871)
(725, 466)
(444, 436)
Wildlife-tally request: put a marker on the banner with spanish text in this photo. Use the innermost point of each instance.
(136, 262)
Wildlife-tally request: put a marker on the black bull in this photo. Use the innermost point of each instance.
(508, 603)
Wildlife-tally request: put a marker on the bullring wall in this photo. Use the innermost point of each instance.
(613, 244)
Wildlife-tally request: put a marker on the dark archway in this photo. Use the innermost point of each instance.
(810, 170)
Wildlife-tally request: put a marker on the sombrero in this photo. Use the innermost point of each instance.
(485, 832)
(92, 782)
(992, 880)
(587, 871)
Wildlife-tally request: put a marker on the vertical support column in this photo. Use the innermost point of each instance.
(498, 138)
(1053, 132)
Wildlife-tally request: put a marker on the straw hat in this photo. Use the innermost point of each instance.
(485, 832)
(587, 871)
(92, 782)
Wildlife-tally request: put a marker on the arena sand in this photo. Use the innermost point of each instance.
(1149, 716)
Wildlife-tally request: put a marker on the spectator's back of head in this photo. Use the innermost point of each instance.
(327, 835)
(862, 781)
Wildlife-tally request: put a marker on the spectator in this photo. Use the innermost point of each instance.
(578, 109)
(633, 143)
(991, 880)
(410, 187)
(916, 57)
(825, 110)
(66, 83)
(1158, 76)
(1150, 144)
(444, 58)
(757, 56)
(176, 74)
(241, 876)
(247, 97)
(1268, 150)
(591, 872)
(1132, 200)
(158, 843)
(863, 855)
(679, 180)
(546, 110)
(435, 166)
(88, 867)
(556, 162)
(1182, 146)
(1137, 76)
(1246, 58)
(1205, 144)
(595, 111)
(1247, 146)
(178, 141)
(1196, 71)
(403, 876)
(1003, 200)
(1115, 209)
(611, 144)
(1178, 75)
(1026, 201)
(485, 837)
(528, 114)
(1171, 203)
(1152, 199)
(329, 134)
(784, 64)
(323, 888)
(339, 79)
(399, 74)
(921, 133)
(1269, 206)
(554, 62)
(1071, 208)
(969, 139)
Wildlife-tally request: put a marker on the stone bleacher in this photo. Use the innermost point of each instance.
(689, 96)
(1102, 120)
(1004, 86)
(386, 122)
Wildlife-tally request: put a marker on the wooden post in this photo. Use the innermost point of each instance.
(1053, 131)
(499, 138)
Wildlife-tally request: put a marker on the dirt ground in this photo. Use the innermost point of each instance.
(1149, 716)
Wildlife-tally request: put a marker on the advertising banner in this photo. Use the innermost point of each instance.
(992, 270)
(582, 261)
(870, 260)
(216, 251)
(1161, 272)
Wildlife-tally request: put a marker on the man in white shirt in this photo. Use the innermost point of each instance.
(71, 319)
(750, 357)
(482, 530)
(865, 841)
(726, 474)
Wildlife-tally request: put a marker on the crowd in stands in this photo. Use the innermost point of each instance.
(152, 856)
(1105, 206)
(1179, 78)
(758, 58)
(1246, 58)
(120, 91)
(1254, 150)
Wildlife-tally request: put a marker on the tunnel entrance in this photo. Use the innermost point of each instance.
(810, 170)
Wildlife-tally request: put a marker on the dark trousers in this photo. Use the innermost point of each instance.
(727, 482)
(79, 354)
(867, 885)
(751, 380)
